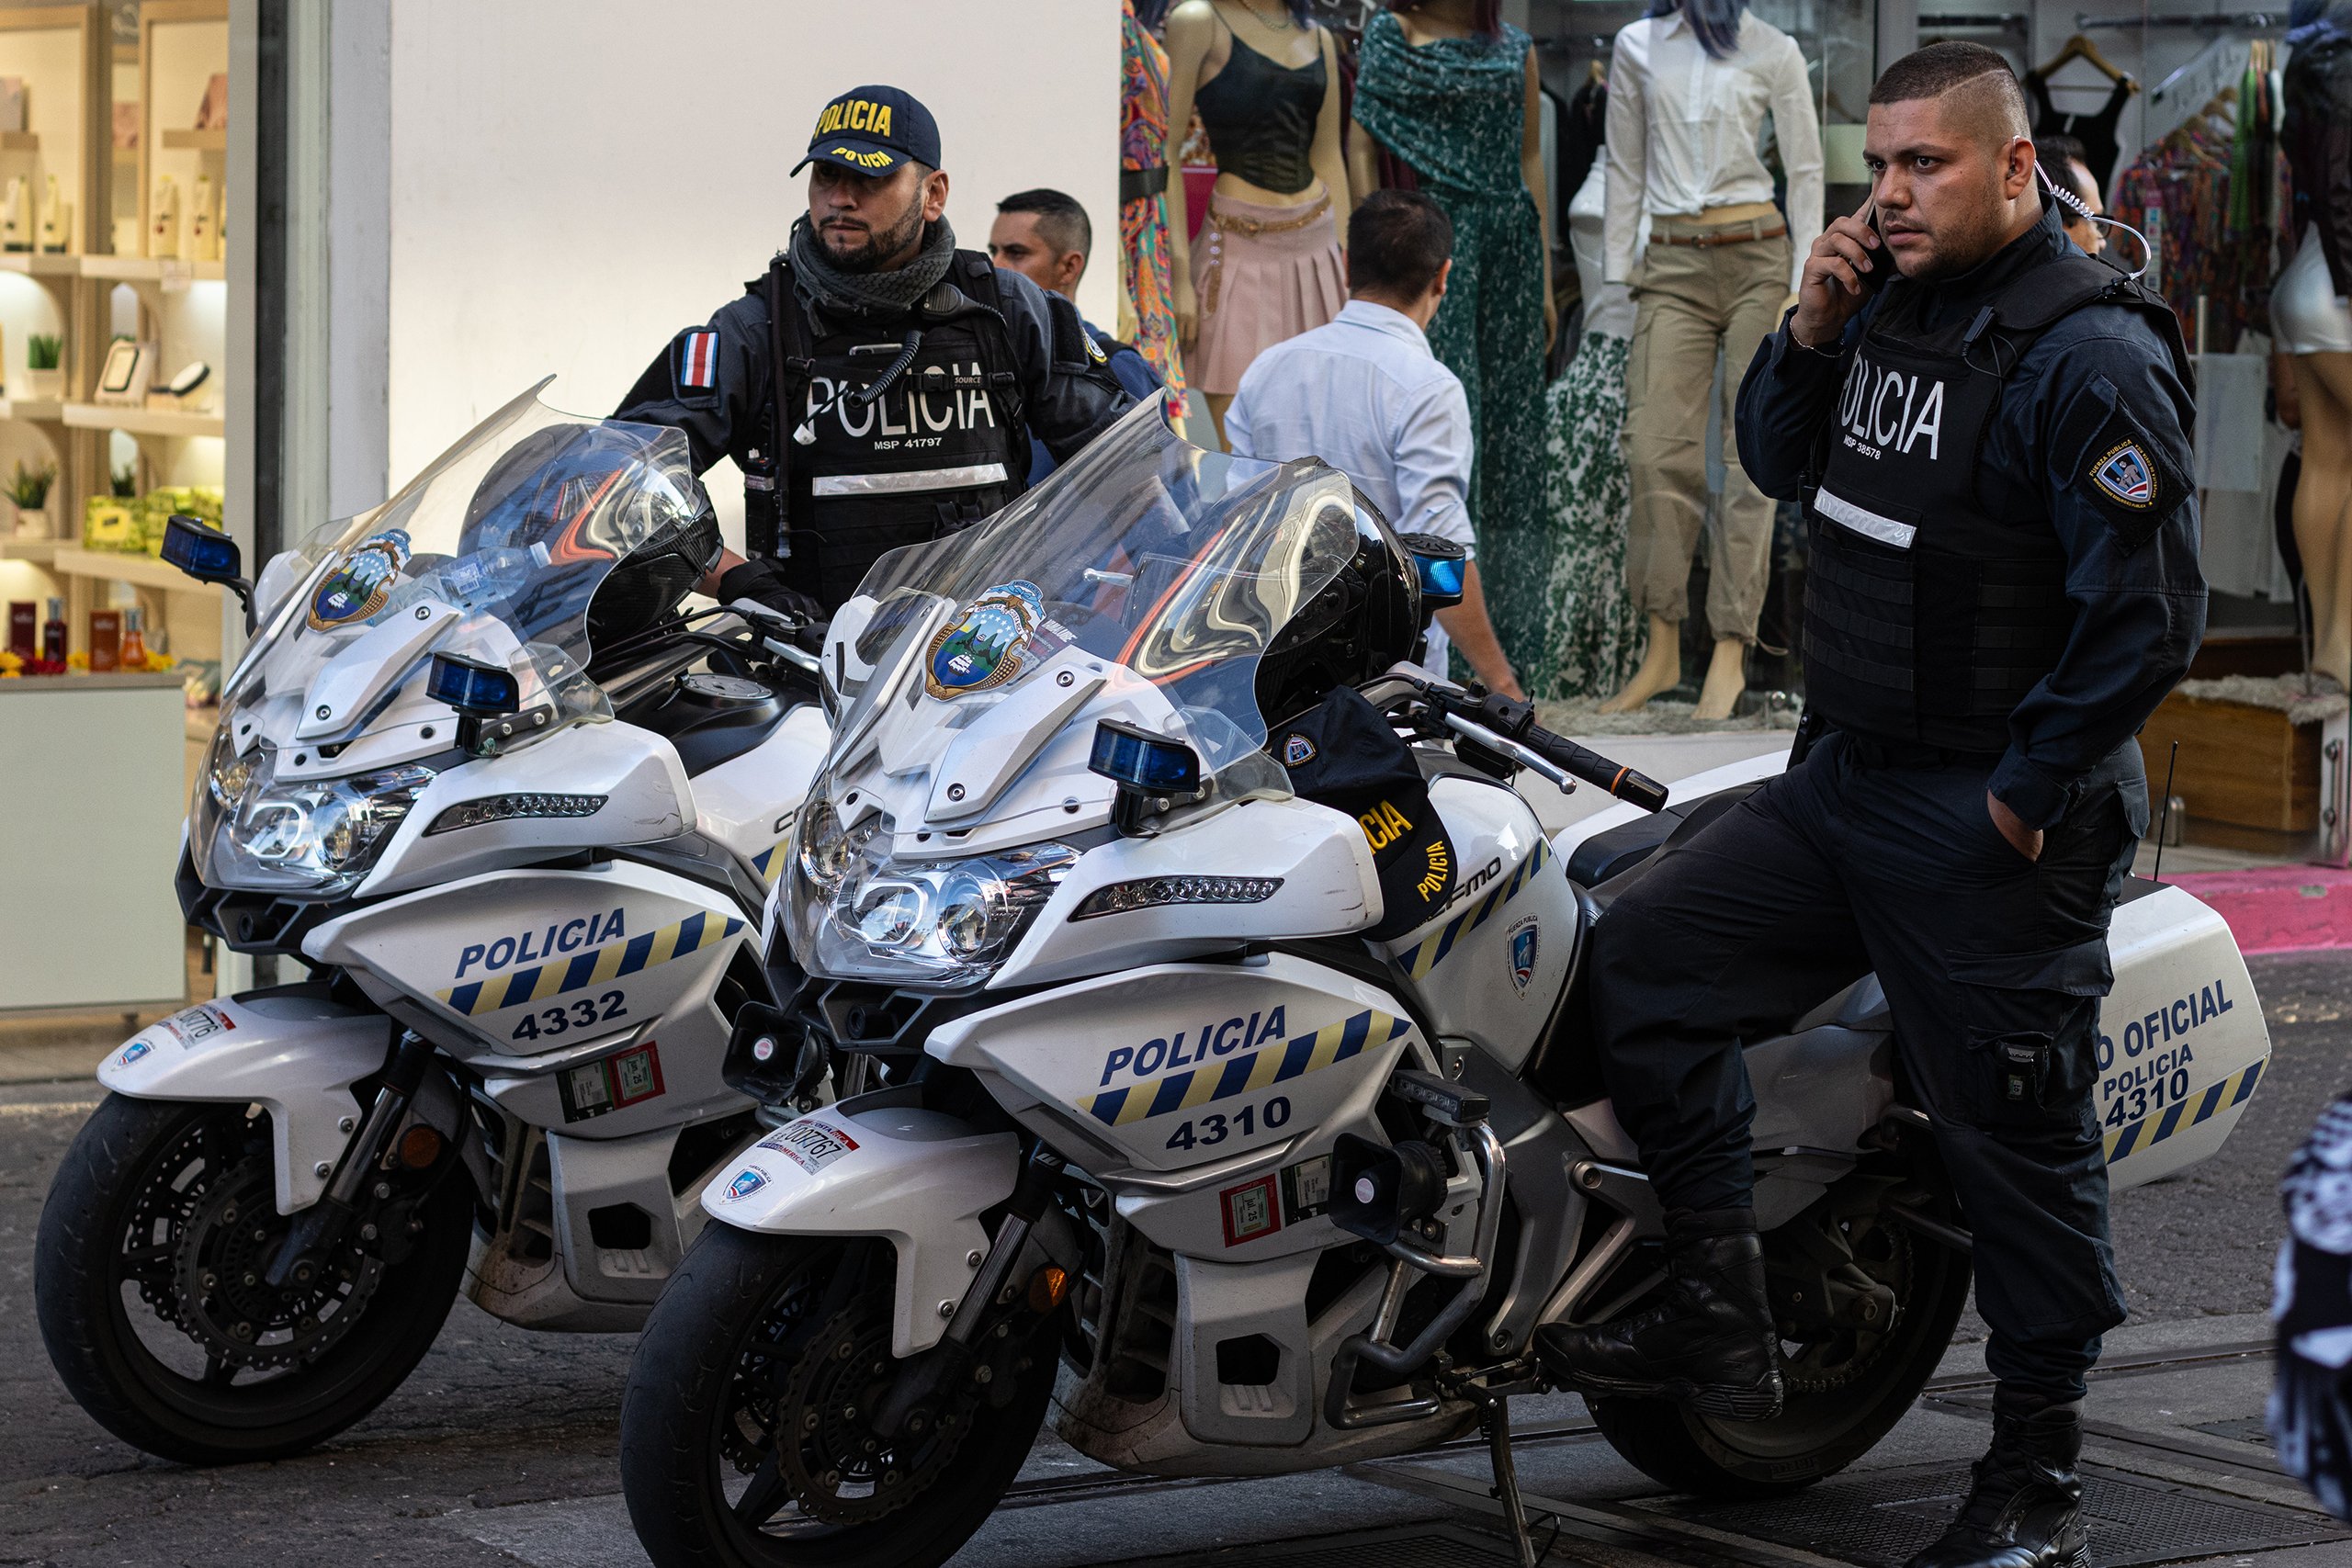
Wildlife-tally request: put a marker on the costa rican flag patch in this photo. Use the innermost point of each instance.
(698, 359)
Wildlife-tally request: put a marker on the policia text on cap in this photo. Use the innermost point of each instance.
(1987, 429)
(876, 386)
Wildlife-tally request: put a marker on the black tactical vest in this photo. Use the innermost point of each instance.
(911, 429)
(1926, 619)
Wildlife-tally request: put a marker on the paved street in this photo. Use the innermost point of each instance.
(501, 1449)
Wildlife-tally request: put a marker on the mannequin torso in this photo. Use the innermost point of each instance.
(1202, 35)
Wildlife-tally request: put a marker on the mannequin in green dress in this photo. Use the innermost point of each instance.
(1452, 96)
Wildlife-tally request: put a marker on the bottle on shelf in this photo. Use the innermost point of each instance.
(16, 216)
(105, 640)
(56, 221)
(164, 220)
(203, 241)
(132, 654)
(52, 633)
(24, 627)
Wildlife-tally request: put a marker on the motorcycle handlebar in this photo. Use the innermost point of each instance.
(1515, 721)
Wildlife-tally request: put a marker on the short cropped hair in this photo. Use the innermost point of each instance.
(1399, 240)
(1061, 221)
(1932, 71)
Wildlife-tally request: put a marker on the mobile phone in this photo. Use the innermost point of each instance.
(1883, 261)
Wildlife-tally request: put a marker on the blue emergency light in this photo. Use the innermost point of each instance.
(1441, 567)
(1137, 759)
(473, 688)
(200, 550)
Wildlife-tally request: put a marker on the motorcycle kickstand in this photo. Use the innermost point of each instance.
(1493, 1421)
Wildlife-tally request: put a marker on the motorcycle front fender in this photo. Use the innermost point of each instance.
(292, 1051)
(878, 1166)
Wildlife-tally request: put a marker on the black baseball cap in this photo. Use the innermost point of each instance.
(873, 130)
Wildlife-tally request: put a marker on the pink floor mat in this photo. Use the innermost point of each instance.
(2280, 908)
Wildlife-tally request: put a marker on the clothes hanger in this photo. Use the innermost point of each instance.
(2080, 47)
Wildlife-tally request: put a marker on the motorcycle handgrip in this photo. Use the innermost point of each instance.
(1636, 789)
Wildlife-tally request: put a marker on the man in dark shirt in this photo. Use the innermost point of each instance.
(1989, 431)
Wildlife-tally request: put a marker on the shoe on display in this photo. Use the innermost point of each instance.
(1708, 1344)
(2025, 1509)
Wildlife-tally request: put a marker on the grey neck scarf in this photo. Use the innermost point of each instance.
(868, 293)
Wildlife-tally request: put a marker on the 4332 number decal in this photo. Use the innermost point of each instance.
(563, 1017)
(1207, 1132)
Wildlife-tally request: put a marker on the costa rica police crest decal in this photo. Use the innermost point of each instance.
(1526, 940)
(357, 588)
(986, 646)
(2126, 476)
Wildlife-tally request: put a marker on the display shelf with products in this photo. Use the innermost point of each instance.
(183, 101)
(141, 421)
(139, 570)
(147, 269)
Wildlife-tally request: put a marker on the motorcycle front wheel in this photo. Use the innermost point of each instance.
(149, 1280)
(742, 1441)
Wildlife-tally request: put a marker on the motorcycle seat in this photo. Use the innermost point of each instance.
(1608, 863)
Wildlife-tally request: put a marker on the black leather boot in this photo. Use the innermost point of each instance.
(1709, 1344)
(2026, 1508)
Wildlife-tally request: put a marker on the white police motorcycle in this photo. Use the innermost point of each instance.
(518, 818)
(1151, 1133)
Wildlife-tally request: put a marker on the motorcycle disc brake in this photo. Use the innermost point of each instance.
(227, 1307)
(827, 1456)
(1882, 1255)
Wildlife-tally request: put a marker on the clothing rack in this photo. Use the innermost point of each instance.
(1970, 21)
(2207, 19)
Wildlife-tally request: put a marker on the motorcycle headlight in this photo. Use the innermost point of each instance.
(859, 914)
(318, 837)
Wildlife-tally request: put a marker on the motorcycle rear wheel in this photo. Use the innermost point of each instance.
(156, 1203)
(759, 1335)
(1845, 1393)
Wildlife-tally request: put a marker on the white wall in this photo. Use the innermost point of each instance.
(572, 181)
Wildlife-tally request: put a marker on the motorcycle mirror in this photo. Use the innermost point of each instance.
(208, 555)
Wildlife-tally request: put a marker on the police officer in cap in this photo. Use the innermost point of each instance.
(878, 385)
(1988, 429)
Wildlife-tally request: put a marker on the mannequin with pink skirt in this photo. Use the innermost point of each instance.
(1266, 264)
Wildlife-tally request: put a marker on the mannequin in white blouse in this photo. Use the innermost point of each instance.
(1690, 87)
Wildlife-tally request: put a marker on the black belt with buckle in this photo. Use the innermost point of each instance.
(1141, 184)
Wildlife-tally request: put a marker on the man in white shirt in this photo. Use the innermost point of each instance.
(1364, 394)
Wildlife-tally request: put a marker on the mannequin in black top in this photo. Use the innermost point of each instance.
(1265, 78)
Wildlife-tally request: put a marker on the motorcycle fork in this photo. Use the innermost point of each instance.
(325, 1222)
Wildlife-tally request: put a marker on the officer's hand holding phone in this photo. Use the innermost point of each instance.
(1847, 263)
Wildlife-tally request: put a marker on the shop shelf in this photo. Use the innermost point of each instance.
(33, 549)
(48, 410)
(19, 140)
(40, 264)
(145, 269)
(216, 140)
(142, 421)
(140, 572)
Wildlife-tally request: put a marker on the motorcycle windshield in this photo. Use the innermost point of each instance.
(1179, 565)
(514, 529)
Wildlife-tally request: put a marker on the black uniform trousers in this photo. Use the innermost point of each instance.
(1866, 857)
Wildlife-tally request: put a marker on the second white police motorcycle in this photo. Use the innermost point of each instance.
(1152, 1135)
(518, 818)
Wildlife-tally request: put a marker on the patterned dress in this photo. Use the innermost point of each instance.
(1453, 110)
(1145, 266)
(1586, 637)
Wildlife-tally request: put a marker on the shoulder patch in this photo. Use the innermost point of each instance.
(2128, 475)
(1297, 750)
(698, 366)
(1095, 349)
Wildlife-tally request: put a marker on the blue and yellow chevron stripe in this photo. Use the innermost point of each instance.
(1431, 950)
(769, 863)
(590, 968)
(2231, 1090)
(1294, 1058)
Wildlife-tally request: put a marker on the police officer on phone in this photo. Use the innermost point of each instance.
(1989, 430)
(878, 385)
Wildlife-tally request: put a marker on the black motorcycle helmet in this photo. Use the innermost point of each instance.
(1366, 619)
(545, 492)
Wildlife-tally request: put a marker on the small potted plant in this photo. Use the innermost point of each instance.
(44, 353)
(28, 487)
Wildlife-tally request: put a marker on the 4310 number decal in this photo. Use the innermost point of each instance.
(1207, 1132)
(562, 1018)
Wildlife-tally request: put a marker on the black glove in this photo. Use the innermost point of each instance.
(760, 582)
